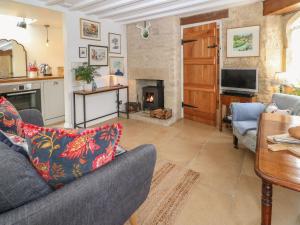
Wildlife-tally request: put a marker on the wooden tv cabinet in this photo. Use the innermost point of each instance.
(227, 99)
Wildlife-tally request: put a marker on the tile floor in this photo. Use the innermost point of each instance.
(229, 191)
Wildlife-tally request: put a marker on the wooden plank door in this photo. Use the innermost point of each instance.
(200, 52)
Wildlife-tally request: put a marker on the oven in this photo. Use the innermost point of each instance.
(23, 96)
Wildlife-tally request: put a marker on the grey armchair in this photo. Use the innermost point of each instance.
(108, 196)
(245, 118)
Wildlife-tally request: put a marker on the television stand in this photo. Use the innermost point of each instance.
(226, 99)
(241, 94)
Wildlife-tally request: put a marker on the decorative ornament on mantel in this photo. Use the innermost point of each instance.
(145, 30)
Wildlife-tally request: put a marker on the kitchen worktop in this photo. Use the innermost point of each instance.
(28, 79)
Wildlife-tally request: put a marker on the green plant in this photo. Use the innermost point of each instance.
(85, 73)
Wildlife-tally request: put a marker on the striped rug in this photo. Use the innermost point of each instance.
(171, 185)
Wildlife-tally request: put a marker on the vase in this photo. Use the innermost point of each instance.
(88, 87)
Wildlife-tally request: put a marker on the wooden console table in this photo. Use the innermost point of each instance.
(97, 91)
(275, 168)
(227, 99)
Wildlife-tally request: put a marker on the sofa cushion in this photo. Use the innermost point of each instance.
(15, 142)
(10, 120)
(19, 181)
(61, 156)
(242, 127)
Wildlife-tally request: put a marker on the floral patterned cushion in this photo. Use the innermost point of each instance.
(62, 155)
(10, 120)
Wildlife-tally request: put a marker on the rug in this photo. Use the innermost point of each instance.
(171, 186)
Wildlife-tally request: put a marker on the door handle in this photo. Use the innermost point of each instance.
(189, 106)
(21, 93)
(212, 46)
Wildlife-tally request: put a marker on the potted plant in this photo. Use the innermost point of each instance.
(85, 73)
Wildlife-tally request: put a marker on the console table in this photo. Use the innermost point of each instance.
(275, 168)
(98, 91)
(227, 99)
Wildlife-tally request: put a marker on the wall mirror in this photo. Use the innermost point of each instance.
(13, 59)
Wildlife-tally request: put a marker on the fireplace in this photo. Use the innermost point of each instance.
(153, 96)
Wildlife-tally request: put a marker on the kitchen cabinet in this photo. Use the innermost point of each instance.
(53, 101)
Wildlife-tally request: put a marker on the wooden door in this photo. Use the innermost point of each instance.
(200, 52)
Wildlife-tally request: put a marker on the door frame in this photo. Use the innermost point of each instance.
(220, 26)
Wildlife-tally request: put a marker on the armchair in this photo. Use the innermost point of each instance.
(108, 196)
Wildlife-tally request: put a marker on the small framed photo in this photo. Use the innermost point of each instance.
(97, 55)
(116, 65)
(82, 52)
(243, 42)
(114, 41)
(90, 30)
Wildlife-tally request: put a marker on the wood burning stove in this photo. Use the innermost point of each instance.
(153, 96)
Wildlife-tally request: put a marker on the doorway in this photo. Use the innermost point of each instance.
(200, 73)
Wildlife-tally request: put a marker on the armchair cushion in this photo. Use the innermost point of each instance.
(19, 181)
(246, 111)
(61, 156)
(284, 101)
(242, 127)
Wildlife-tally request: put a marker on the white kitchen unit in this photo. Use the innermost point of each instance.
(53, 104)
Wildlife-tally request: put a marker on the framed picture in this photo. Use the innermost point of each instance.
(243, 42)
(82, 52)
(90, 30)
(116, 65)
(114, 41)
(97, 55)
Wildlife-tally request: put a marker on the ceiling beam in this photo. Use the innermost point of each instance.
(276, 7)
(205, 17)
(112, 5)
(85, 4)
(196, 9)
(54, 2)
(134, 8)
(182, 5)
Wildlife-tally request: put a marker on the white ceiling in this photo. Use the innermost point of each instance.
(130, 11)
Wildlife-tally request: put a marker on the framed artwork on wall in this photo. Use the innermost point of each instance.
(97, 55)
(82, 52)
(116, 65)
(90, 30)
(243, 42)
(114, 41)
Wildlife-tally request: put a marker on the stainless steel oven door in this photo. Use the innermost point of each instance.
(29, 99)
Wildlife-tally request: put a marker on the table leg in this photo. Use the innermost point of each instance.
(127, 107)
(84, 112)
(118, 102)
(221, 117)
(266, 202)
(74, 109)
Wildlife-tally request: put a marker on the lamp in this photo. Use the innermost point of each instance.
(47, 40)
(280, 79)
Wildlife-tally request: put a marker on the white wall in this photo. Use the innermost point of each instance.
(99, 104)
(34, 38)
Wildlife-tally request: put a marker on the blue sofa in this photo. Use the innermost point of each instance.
(245, 118)
(108, 196)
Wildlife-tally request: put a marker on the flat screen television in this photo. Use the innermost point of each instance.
(239, 80)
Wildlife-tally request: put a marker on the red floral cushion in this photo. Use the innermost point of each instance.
(10, 120)
(61, 155)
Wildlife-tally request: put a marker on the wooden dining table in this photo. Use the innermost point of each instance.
(275, 168)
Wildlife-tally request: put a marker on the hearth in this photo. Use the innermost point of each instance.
(153, 96)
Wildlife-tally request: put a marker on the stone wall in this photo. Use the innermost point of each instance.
(271, 45)
(157, 58)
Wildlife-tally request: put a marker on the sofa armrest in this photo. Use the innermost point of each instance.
(108, 196)
(32, 116)
(246, 111)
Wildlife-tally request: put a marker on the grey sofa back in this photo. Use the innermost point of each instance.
(284, 101)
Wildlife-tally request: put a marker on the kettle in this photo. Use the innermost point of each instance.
(45, 69)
